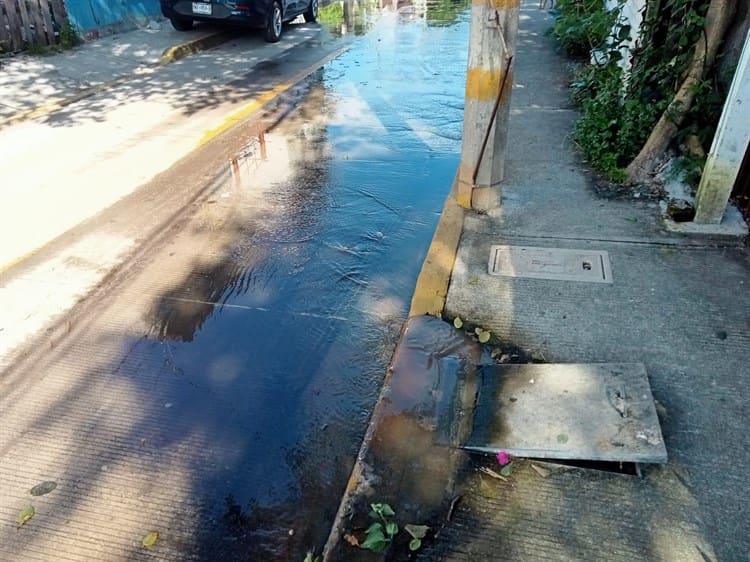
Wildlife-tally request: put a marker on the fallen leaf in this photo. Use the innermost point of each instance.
(507, 470)
(477, 330)
(543, 472)
(150, 539)
(43, 488)
(351, 539)
(562, 438)
(484, 336)
(458, 323)
(473, 280)
(25, 514)
(416, 531)
(414, 544)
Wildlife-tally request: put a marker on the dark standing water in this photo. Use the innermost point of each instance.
(286, 333)
(218, 393)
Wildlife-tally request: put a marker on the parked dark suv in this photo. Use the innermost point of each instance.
(270, 14)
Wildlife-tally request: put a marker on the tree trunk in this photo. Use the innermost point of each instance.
(717, 21)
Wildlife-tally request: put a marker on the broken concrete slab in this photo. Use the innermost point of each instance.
(596, 412)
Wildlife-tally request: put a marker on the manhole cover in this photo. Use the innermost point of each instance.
(597, 412)
(550, 263)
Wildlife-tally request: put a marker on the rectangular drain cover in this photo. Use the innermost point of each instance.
(596, 412)
(550, 263)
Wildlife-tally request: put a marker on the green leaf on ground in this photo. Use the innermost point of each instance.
(25, 514)
(458, 323)
(43, 488)
(150, 539)
(473, 280)
(484, 336)
(562, 438)
(375, 541)
(414, 544)
(416, 531)
(391, 529)
(507, 470)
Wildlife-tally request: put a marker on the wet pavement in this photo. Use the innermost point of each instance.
(218, 392)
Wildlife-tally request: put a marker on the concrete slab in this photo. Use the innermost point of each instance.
(598, 412)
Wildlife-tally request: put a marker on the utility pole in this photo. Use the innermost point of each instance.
(730, 143)
(489, 80)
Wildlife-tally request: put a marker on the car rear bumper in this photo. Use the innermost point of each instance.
(246, 13)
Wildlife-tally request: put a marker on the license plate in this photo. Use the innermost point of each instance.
(202, 8)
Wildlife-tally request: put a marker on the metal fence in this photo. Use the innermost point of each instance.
(30, 22)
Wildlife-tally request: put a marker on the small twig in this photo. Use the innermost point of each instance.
(492, 473)
(451, 508)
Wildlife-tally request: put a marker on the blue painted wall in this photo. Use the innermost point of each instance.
(86, 15)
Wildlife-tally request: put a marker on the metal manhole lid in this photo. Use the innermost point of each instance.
(550, 263)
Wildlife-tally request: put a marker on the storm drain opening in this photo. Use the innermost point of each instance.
(558, 264)
(597, 415)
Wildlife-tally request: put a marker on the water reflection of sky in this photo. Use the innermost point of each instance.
(285, 329)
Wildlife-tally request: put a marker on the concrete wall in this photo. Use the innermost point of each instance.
(94, 17)
(632, 15)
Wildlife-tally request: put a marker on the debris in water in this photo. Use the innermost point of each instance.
(25, 514)
(458, 323)
(492, 473)
(150, 539)
(43, 488)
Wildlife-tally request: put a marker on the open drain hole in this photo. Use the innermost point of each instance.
(629, 468)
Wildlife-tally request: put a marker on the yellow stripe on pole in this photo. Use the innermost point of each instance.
(482, 84)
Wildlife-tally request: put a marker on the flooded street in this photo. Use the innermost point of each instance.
(219, 393)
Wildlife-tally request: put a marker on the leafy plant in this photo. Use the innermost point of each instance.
(417, 533)
(68, 36)
(583, 25)
(620, 110)
(312, 558)
(380, 534)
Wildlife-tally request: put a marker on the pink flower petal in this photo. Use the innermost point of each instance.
(503, 458)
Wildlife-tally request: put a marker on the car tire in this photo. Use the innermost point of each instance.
(311, 15)
(274, 22)
(182, 24)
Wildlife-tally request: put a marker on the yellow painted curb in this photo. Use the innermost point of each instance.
(432, 284)
(182, 50)
(265, 97)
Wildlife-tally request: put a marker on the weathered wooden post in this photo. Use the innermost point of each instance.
(728, 148)
(489, 80)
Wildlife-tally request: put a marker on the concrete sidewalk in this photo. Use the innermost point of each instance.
(678, 304)
(31, 85)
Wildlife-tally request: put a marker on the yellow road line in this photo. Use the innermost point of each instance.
(269, 95)
(251, 107)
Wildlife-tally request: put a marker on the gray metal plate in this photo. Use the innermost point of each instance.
(550, 263)
(600, 412)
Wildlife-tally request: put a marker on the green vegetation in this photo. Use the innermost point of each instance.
(332, 14)
(583, 25)
(445, 12)
(619, 112)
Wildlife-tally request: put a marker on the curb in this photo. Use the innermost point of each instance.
(182, 50)
(434, 278)
(170, 55)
